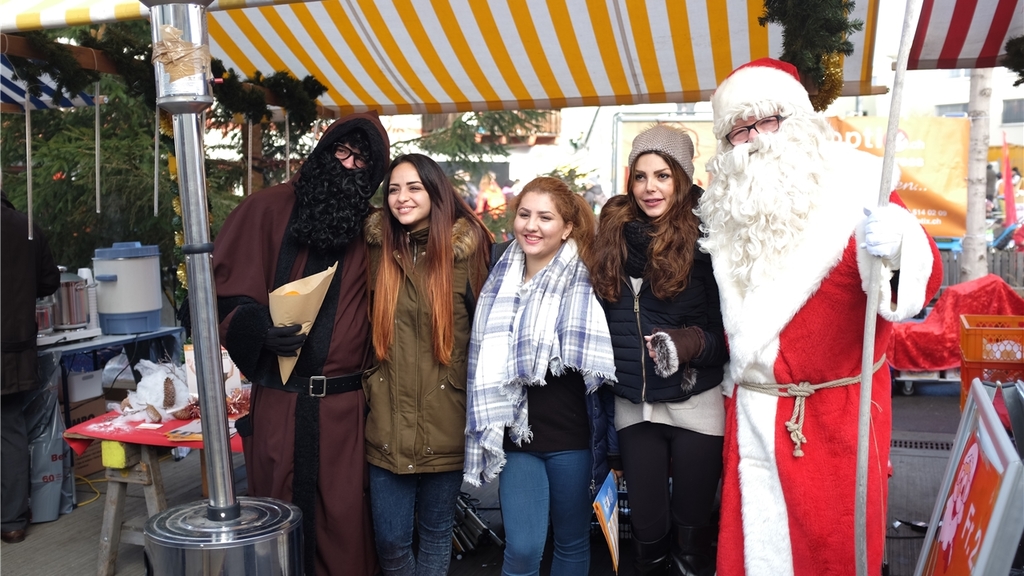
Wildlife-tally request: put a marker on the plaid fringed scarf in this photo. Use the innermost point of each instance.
(520, 332)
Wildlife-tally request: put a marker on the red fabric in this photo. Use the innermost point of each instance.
(812, 348)
(824, 543)
(934, 344)
(771, 63)
(961, 33)
(80, 436)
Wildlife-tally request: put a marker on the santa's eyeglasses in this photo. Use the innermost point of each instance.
(343, 152)
(767, 125)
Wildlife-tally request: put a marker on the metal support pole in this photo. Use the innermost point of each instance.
(180, 39)
(188, 138)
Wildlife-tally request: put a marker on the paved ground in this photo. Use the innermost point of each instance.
(929, 418)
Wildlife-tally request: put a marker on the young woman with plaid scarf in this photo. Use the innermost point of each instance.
(539, 415)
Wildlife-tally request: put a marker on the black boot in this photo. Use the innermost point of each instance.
(651, 558)
(693, 552)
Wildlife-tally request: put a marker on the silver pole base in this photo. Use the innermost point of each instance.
(265, 540)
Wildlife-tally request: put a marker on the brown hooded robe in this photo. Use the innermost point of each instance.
(246, 259)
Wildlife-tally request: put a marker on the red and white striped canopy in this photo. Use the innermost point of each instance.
(964, 33)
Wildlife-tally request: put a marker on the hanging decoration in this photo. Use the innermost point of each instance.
(1015, 58)
(96, 106)
(156, 160)
(815, 34)
(831, 86)
(287, 148)
(28, 165)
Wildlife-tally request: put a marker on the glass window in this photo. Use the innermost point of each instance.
(958, 110)
(1013, 111)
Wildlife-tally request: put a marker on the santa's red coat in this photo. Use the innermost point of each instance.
(783, 514)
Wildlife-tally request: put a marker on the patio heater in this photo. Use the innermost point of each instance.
(224, 536)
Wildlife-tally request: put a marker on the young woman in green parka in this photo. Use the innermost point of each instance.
(428, 261)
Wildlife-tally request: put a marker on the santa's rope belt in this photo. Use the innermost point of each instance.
(801, 391)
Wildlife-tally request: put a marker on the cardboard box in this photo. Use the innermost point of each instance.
(82, 386)
(90, 461)
(232, 377)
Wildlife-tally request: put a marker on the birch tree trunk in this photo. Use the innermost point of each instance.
(973, 263)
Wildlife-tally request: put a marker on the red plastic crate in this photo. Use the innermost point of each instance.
(992, 338)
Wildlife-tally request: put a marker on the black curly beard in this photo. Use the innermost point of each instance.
(331, 202)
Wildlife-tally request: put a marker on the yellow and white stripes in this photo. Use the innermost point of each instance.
(408, 56)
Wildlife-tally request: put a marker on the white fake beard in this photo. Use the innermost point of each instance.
(761, 197)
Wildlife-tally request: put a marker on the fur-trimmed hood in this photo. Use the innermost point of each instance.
(464, 241)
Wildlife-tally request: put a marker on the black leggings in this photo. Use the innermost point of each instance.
(650, 452)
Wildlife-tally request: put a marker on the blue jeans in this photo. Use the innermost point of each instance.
(534, 486)
(429, 499)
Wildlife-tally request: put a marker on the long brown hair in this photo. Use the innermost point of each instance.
(673, 240)
(570, 206)
(446, 207)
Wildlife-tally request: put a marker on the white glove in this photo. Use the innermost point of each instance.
(883, 236)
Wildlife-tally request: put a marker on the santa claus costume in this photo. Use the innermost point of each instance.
(785, 224)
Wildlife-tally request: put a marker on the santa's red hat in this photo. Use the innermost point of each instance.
(755, 86)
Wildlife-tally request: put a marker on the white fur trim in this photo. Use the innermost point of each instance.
(767, 544)
(915, 264)
(753, 84)
(667, 362)
(754, 318)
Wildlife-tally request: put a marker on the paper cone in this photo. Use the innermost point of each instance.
(299, 302)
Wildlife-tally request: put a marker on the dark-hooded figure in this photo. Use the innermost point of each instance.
(303, 438)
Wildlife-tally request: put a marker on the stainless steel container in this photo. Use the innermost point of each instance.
(266, 540)
(46, 311)
(72, 302)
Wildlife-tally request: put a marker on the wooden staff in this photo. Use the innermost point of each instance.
(910, 18)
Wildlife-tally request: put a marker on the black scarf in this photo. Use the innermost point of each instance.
(638, 236)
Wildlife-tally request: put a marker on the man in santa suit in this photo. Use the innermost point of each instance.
(793, 227)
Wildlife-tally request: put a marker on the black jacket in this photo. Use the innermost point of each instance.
(27, 272)
(634, 316)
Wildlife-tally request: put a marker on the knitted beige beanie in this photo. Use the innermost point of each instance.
(667, 140)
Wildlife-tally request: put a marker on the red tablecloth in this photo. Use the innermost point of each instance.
(934, 344)
(107, 427)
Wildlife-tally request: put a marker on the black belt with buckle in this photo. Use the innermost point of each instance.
(320, 386)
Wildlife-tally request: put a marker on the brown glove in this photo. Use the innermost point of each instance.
(675, 347)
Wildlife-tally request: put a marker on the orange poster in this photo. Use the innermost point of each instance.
(931, 154)
(965, 515)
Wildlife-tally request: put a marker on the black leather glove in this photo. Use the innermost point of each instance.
(284, 340)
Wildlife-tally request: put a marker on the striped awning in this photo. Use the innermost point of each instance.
(412, 56)
(13, 92)
(964, 33)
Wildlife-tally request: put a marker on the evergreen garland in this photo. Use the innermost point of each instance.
(1015, 58)
(296, 96)
(235, 98)
(811, 31)
(132, 56)
(57, 62)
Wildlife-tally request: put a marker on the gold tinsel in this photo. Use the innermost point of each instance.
(166, 125)
(832, 85)
(179, 238)
(172, 167)
(182, 275)
(176, 203)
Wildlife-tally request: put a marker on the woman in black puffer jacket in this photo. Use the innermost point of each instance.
(662, 305)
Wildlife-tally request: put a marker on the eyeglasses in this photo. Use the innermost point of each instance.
(762, 126)
(342, 153)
